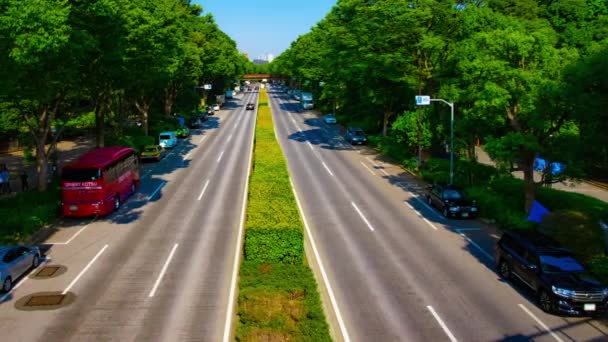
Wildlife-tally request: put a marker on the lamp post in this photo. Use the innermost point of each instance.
(426, 100)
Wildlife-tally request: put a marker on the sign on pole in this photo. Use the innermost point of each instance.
(423, 100)
(207, 86)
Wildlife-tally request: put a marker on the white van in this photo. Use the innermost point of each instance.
(167, 139)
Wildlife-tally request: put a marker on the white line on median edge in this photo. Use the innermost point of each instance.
(310, 145)
(429, 223)
(203, 191)
(239, 242)
(84, 270)
(330, 291)
(368, 169)
(157, 189)
(163, 270)
(442, 324)
(557, 338)
(363, 217)
(327, 168)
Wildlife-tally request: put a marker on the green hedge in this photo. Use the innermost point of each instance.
(278, 298)
(27, 212)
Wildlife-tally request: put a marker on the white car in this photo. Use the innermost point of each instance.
(16, 261)
(216, 107)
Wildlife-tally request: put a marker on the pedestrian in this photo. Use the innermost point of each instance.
(24, 185)
(2, 167)
(6, 182)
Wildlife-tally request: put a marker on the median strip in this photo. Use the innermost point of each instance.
(278, 297)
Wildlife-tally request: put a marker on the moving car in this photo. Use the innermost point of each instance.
(451, 201)
(167, 139)
(559, 281)
(16, 261)
(330, 119)
(355, 135)
(154, 152)
(250, 106)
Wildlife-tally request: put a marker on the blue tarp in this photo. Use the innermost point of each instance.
(556, 168)
(537, 212)
(181, 121)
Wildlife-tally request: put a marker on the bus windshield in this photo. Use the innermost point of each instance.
(81, 175)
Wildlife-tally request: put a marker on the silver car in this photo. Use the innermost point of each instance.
(330, 119)
(16, 261)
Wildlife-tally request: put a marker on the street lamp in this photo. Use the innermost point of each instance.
(423, 100)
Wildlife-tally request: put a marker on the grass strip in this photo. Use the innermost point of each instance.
(278, 296)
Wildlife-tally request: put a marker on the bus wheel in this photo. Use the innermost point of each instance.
(116, 201)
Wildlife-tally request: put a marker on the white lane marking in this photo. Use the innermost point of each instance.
(229, 137)
(433, 211)
(237, 250)
(157, 189)
(310, 145)
(409, 205)
(327, 168)
(220, 157)
(368, 169)
(75, 234)
(162, 271)
(381, 168)
(201, 139)
(486, 254)
(464, 229)
(147, 174)
(203, 191)
(46, 260)
(330, 291)
(84, 270)
(187, 155)
(363, 217)
(294, 121)
(557, 338)
(429, 223)
(445, 328)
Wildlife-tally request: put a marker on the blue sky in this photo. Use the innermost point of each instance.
(266, 26)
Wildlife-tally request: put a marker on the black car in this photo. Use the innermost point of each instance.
(250, 106)
(561, 284)
(355, 135)
(451, 201)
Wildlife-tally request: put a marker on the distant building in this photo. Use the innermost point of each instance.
(260, 61)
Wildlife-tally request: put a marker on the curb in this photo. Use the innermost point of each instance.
(600, 185)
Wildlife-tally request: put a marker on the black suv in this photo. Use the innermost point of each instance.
(560, 282)
(451, 201)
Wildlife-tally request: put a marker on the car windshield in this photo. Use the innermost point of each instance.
(165, 137)
(329, 116)
(452, 194)
(80, 175)
(560, 263)
(358, 133)
(150, 149)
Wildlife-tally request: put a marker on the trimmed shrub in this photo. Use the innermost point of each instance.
(270, 245)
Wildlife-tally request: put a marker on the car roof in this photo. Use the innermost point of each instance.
(355, 129)
(4, 249)
(540, 242)
(167, 132)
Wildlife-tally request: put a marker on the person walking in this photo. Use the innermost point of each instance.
(24, 185)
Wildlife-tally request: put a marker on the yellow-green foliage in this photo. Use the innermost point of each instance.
(274, 229)
(278, 297)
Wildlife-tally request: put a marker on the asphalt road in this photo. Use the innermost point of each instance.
(160, 268)
(400, 271)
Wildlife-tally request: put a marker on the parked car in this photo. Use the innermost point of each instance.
(451, 201)
(152, 152)
(194, 122)
(330, 119)
(182, 132)
(355, 135)
(16, 261)
(167, 139)
(250, 106)
(559, 281)
(216, 107)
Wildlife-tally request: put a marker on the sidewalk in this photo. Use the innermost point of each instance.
(67, 150)
(581, 187)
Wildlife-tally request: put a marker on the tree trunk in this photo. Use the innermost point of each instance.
(41, 166)
(99, 125)
(529, 184)
(387, 115)
(143, 106)
(170, 94)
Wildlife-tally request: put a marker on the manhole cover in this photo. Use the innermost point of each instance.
(45, 300)
(47, 271)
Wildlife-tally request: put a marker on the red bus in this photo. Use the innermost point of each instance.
(99, 181)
